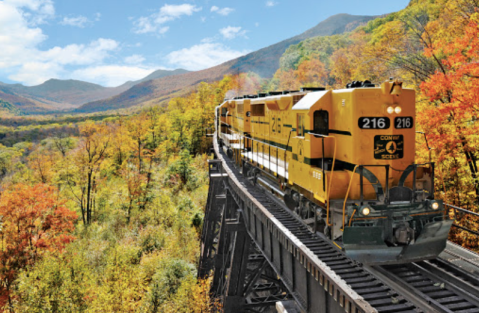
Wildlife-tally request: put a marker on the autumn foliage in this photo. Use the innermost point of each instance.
(139, 182)
(33, 222)
(138, 185)
(454, 89)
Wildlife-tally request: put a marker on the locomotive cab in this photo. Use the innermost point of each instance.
(358, 145)
(397, 220)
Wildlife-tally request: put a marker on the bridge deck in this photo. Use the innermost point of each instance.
(461, 257)
(321, 278)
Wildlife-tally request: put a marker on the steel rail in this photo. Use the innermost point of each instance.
(431, 288)
(454, 275)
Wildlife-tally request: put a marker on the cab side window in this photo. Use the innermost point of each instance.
(321, 123)
(300, 128)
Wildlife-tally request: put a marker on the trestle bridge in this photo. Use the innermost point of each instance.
(263, 259)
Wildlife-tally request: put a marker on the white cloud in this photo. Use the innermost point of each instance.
(111, 75)
(134, 59)
(167, 13)
(170, 12)
(163, 30)
(207, 40)
(271, 3)
(35, 12)
(43, 6)
(231, 32)
(224, 11)
(16, 34)
(143, 25)
(203, 56)
(97, 16)
(75, 54)
(79, 21)
(17, 39)
(35, 73)
(50, 64)
(20, 40)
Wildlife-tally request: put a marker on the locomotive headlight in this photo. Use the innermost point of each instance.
(390, 110)
(435, 205)
(365, 211)
(397, 110)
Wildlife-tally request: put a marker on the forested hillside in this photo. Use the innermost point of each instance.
(7, 108)
(105, 215)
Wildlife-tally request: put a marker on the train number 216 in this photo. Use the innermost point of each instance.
(403, 122)
(374, 122)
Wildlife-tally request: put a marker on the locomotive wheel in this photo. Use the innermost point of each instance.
(327, 231)
(288, 199)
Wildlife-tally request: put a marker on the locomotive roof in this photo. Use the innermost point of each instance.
(309, 100)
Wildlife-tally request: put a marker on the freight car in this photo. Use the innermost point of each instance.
(343, 161)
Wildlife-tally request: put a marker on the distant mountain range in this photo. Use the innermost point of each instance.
(158, 87)
(57, 95)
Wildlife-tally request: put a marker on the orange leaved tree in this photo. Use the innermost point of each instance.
(452, 120)
(33, 221)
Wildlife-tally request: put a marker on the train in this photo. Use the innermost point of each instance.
(343, 161)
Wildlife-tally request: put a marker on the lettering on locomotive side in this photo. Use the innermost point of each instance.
(389, 137)
(388, 147)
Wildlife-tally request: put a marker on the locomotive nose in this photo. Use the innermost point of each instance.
(366, 244)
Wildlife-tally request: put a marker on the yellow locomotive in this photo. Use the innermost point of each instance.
(343, 161)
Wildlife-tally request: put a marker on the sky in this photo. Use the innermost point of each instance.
(109, 42)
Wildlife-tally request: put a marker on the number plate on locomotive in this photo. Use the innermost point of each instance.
(403, 122)
(388, 147)
(374, 122)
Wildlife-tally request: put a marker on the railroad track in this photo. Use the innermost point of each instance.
(380, 296)
(436, 285)
(427, 286)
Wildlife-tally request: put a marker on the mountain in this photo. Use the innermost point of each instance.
(158, 90)
(23, 104)
(264, 62)
(70, 92)
(56, 94)
(155, 75)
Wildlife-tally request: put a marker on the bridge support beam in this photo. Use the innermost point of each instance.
(243, 280)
